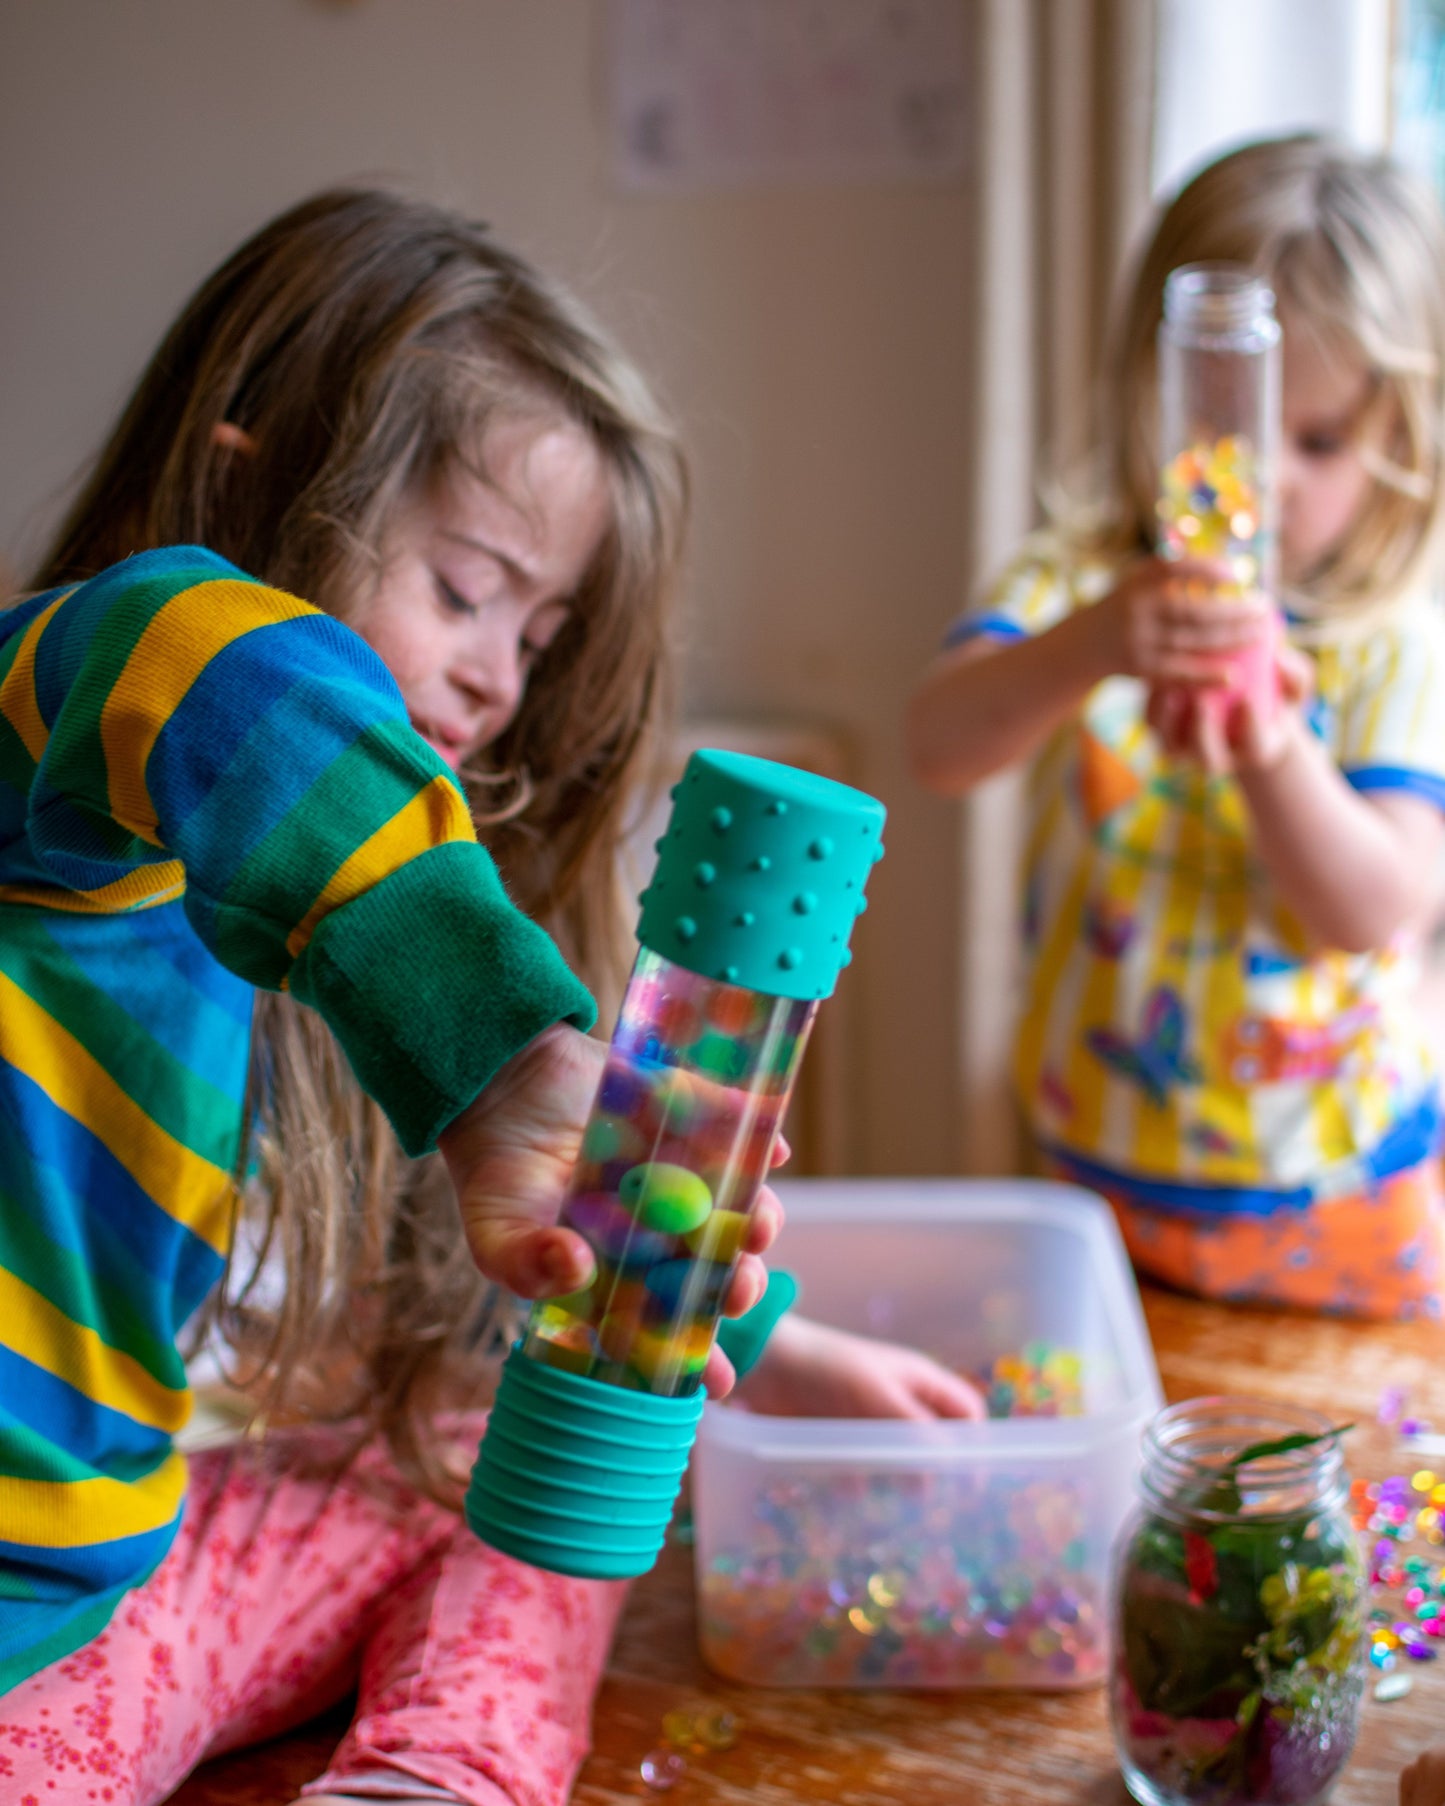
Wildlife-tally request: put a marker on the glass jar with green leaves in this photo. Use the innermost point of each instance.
(1239, 1606)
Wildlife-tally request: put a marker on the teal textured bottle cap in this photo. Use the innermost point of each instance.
(761, 874)
(577, 1476)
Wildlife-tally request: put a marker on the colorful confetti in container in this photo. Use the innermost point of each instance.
(978, 1578)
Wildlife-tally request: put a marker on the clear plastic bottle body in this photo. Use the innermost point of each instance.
(1238, 1611)
(678, 1143)
(1219, 402)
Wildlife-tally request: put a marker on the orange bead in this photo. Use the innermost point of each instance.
(732, 1011)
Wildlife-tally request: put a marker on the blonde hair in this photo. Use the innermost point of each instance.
(1354, 250)
(363, 341)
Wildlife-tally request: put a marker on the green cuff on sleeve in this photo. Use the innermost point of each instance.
(743, 1339)
(432, 981)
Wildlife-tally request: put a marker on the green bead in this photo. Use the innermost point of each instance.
(666, 1198)
(720, 1056)
(602, 1139)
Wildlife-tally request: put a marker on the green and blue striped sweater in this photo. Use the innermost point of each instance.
(205, 786)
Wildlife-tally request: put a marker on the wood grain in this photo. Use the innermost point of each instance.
(959, 1749)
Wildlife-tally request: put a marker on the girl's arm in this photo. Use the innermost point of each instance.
(1354, 868)
(172, 728)
(988, 704)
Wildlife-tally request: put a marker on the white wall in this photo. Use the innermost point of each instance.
(812, 342)
(1232, 70)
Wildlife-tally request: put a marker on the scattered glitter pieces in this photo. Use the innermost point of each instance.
(716, 1729)
(677, 1729)
(1408, 1583)
(1393, 1686)
(706, 1729)
(700, 1730)
(661, 1770)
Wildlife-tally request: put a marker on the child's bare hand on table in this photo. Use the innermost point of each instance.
(809, 1369)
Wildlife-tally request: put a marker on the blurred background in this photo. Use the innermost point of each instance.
(865, 248)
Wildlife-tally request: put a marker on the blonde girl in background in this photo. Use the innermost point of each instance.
(222, 804)
(1223, 924)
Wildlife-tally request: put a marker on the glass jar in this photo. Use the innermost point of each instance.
(1239, 1608)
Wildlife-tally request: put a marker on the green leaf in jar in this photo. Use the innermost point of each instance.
(1285, 1445)
(1220, 1492)
(1182, 1659)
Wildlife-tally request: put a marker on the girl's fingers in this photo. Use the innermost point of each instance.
(748, 1283)
(532, 1261)
(718, 1376)
(1214, 626)
(1296, 674)
(1210, 739)
(1168, 715)
(1191, 672)
(765, 1222)
(947, 1395)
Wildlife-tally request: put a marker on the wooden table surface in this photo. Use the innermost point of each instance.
(948, 1749)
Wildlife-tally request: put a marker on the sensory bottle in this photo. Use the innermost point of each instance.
(1219, 404)
(744, 928)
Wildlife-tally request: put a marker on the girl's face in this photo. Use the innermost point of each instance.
(478, 579)
(1323, 479)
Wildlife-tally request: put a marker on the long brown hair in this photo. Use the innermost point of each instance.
(362, 342)
(1354, 249)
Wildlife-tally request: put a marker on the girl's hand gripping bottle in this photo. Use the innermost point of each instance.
(744, 927)
(1219, 410)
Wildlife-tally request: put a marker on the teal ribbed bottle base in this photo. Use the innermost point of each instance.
(576, 1476)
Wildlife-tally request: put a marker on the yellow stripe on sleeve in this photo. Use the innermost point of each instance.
(433, 816)
(179, 642)
(71, 1514)
(18, 702)
(43, 1335)
(143, 888)
(192, 1190)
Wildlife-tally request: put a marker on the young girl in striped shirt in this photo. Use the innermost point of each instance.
(1223, 924)
(221, 804)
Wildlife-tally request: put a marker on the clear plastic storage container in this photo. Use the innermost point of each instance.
(871, 1553)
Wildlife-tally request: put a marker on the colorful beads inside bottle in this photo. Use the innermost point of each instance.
(680, 1140)
(1211, 506)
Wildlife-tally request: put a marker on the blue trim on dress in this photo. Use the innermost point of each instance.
(974, 627)
(1413, 1140)
(1427, 784)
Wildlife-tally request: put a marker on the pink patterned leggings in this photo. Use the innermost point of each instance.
(475, 1673)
